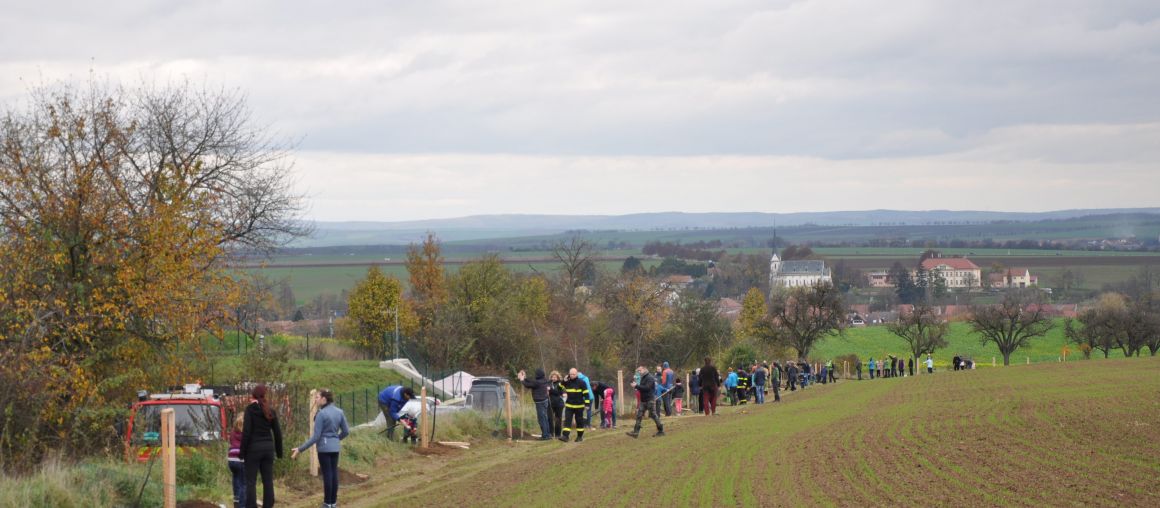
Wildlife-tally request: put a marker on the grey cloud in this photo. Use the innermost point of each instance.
(833, 79)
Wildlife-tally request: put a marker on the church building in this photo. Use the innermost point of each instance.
(798, 273)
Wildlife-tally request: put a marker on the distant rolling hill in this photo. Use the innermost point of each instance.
(479, 227)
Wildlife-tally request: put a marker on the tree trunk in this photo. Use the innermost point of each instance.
(1006, 359)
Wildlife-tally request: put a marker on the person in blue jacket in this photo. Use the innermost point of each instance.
(391, 400)
(589, 396)
(872, 367)
(329, 429)
(731, 387)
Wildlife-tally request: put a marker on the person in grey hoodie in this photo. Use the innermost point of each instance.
(329, 429)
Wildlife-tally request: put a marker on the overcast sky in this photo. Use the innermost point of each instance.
(427, 109)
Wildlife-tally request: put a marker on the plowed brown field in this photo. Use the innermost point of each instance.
(1073, 434)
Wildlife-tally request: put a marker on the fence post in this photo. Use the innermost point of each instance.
(423, 442)
(620, 390)
(313, 449)
(168, 459)
(507, 396)
(688, 377)
(992, 361)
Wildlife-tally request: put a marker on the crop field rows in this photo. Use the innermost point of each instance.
(1080, 433)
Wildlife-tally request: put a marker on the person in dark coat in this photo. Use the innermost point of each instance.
(556, 396)
(710, 381)
(695, 390)
(261, 443)
(647, 388)
(539, 387)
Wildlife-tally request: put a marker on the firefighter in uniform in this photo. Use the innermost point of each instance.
(742, 385)
(575, 402)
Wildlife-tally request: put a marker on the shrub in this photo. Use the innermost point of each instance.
(196, 469)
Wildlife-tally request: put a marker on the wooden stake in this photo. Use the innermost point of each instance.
(423, 442)
(688, 378)
(620, 390)
(507, 395)
(313, 449)
(168, 460)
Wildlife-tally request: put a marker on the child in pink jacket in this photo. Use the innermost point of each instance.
(607, 408)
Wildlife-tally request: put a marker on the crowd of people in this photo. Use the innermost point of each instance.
(564, 405)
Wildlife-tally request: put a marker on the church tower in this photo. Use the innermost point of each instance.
(774, 262)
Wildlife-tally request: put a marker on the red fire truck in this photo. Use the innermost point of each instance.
(200, 419)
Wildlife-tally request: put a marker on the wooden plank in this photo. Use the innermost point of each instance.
(168, 459)
(507, 395)
(313, 449)
(423, 418)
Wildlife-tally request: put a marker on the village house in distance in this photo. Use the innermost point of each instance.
(962, 273)
(957, 272)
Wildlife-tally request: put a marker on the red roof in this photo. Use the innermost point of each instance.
(953, 263)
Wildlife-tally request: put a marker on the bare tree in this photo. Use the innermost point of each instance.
(1097, 328)
(803, 316)
(694, 330)
(922, 330)
(1013, 323)
(575, 254)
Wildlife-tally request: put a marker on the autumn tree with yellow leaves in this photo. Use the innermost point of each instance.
(373, 304)
(121, 210)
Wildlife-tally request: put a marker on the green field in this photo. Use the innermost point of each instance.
(895, 252)
(1080, 433)
(877, 342)
(307, 282)
(1075, 434)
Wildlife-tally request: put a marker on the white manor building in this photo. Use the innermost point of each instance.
(791, 274)
(957, 272)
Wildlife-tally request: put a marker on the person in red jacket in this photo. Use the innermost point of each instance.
(710, 380)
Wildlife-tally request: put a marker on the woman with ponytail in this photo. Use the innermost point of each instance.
(261, 442)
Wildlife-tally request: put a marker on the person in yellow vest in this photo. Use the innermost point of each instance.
(576, 400)
(742, 385)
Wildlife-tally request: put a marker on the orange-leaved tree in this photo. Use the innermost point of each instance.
(119, 211)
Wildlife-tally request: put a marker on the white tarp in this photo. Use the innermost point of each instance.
(457, 384)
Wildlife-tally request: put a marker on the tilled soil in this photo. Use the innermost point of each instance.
(1046, 435)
